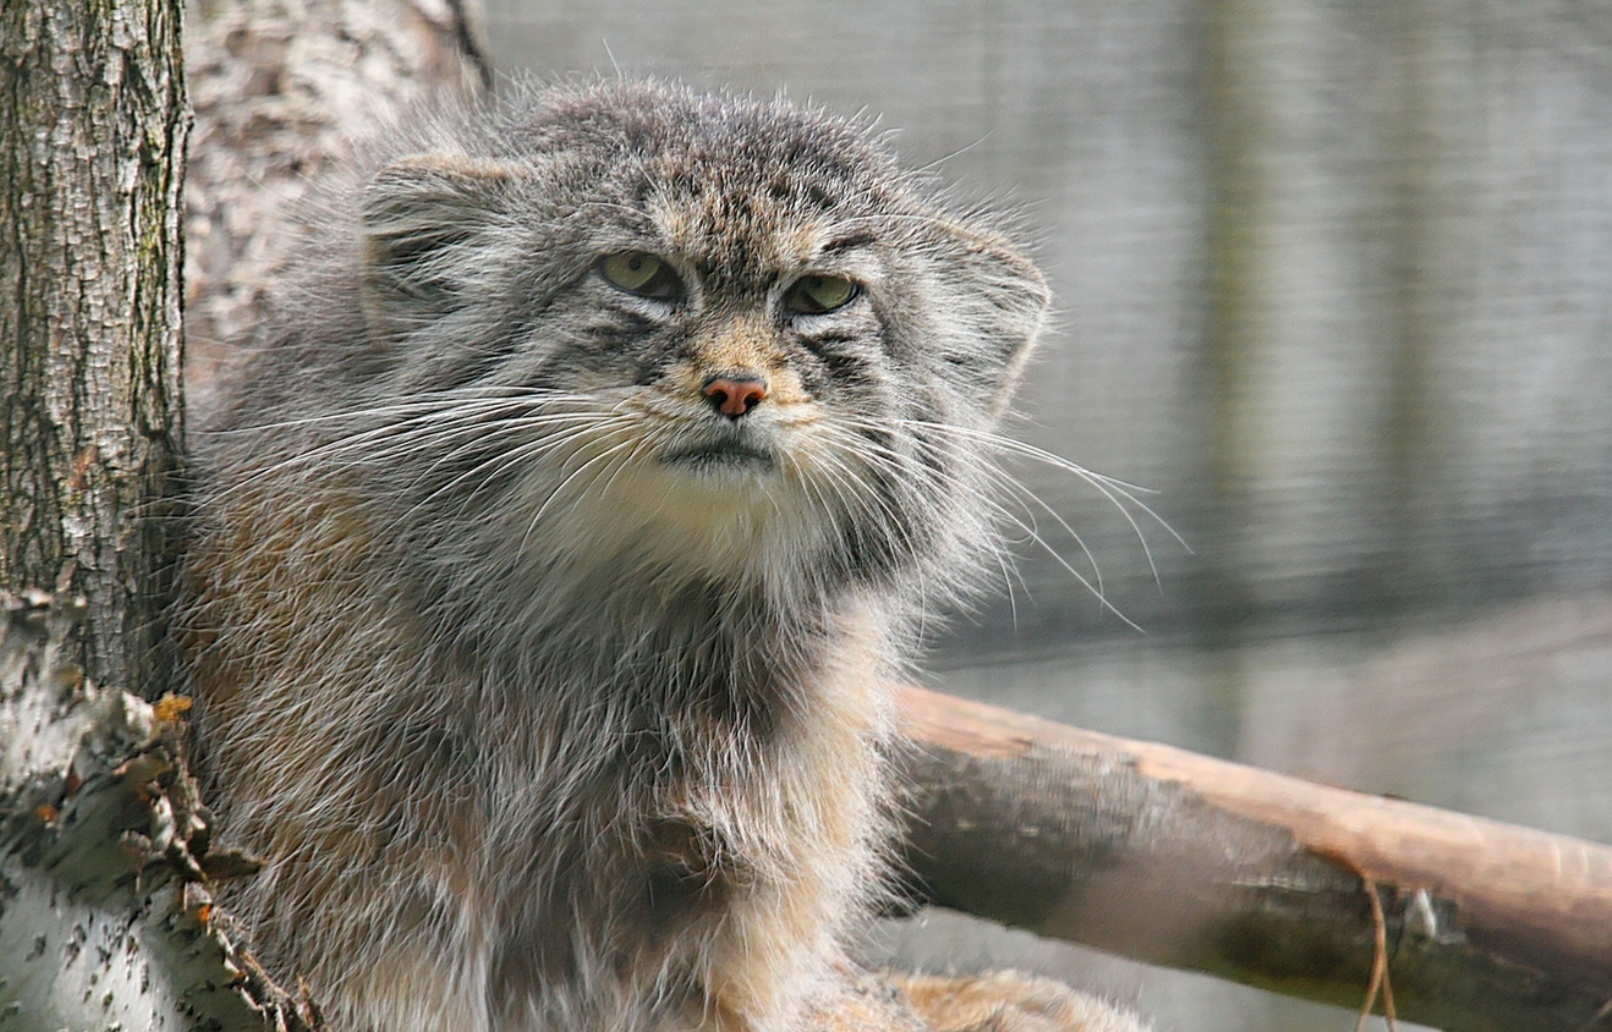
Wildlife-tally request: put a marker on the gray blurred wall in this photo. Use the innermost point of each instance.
(1335, 279)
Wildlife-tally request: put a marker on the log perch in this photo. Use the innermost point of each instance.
(1182, 860)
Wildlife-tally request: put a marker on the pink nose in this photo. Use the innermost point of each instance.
(733, 396)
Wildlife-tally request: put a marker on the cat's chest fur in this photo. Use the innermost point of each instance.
(712, 825)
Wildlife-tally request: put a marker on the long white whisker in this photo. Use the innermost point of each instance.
(502, 462)
(1017, 488)
(537, 517)
(426, 424)
(1116, 491)
(570, 424)
(1006, 482)
(428, 402)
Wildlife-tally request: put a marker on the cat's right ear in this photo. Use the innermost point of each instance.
(420, 216)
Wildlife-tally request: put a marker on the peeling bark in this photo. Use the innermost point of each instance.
(106, 918)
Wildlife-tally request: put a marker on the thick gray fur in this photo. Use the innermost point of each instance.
(554, 697)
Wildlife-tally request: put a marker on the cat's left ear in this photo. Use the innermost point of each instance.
(997, 304)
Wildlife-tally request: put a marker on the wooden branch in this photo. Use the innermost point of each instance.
(1187, 861)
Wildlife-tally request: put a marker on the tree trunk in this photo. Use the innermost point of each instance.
(104, 920)
(92, 138)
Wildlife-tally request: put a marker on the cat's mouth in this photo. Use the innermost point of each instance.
(723, 453)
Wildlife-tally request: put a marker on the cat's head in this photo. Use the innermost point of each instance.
(665, 328)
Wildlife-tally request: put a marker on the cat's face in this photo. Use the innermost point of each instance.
(701, 331)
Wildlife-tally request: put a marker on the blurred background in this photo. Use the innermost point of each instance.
(1335, 280)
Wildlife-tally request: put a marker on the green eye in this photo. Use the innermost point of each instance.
(640, 273)
(814, 294)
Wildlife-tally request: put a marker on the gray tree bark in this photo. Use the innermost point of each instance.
(92, 138)
(106, 856)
